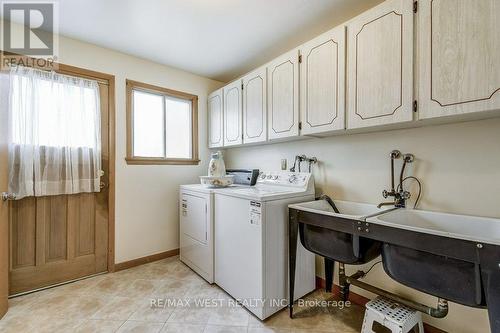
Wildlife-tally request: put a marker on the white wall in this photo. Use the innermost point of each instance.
(459, 165)
(146, 195)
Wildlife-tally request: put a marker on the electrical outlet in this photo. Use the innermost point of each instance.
(283, 164)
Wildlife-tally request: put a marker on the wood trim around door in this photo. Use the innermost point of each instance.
(102, 78)
(4, 211)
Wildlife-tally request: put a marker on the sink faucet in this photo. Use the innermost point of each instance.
(303, 158)
(388, 203)
(400, 195)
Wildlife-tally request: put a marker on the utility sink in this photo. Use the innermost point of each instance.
(472, 228)
(330, 234)
(454, 257)
(347, 209)
(455, 275)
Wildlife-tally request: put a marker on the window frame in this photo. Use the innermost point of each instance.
(164, 92)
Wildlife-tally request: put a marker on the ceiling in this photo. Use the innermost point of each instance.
(218, 39)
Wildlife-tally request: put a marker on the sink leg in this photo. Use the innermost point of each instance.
(344, 286)
(292, 255)
(344, 292)
(493, 299)
(329, 268)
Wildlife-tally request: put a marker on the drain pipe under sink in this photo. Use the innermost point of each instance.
(439, 312)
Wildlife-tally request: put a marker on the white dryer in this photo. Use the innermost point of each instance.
(196, 222)
(197, 229)
(251, 242)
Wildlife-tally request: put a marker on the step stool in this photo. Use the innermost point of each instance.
(396, 317)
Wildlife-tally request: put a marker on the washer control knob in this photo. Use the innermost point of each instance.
(275, 177)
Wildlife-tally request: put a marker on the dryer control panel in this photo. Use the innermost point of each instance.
(285, 178)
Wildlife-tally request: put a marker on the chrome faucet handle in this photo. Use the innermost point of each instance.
(405, 195)
(395, 154)
(408, 158)
(390, 193)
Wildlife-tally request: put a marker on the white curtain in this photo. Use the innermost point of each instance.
(54, 133)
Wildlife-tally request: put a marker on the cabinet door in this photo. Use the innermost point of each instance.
(283, 96)
(380, 65)
(255, 106)
(215, 117)
(322, 83)
(459, 53)
(232, 114)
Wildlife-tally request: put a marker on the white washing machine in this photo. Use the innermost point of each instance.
(251, 242)
(196, 227)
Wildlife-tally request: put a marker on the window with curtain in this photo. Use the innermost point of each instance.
(55, 133)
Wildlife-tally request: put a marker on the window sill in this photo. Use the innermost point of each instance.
(160, 161)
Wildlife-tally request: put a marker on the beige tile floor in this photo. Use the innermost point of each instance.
(121, 302)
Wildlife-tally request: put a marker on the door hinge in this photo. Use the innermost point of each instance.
(415, 106)
(300, 58)
(242, 86)
(300, 125)
(415, 6)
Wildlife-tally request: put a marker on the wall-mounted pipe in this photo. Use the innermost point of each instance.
(303, 158)
(439, 312)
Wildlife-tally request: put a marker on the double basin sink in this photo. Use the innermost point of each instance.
(338, 243)
(455, 257)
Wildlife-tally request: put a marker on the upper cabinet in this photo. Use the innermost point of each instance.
(380, 65)
(255, 106)
(360, 75)
(459, 57)
(322, 83)
(215, 120)
(283, 96)
(232, 114)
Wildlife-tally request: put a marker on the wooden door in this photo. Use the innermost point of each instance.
(380, 65)
(459, 53)
(232, 114)
(59, 238)
(255, 106)
(4, 205)
(283, 96)
(322, 83)
(215, 120)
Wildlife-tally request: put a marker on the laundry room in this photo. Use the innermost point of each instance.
(250, 166)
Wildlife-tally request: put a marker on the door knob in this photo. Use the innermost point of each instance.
(8, 196)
